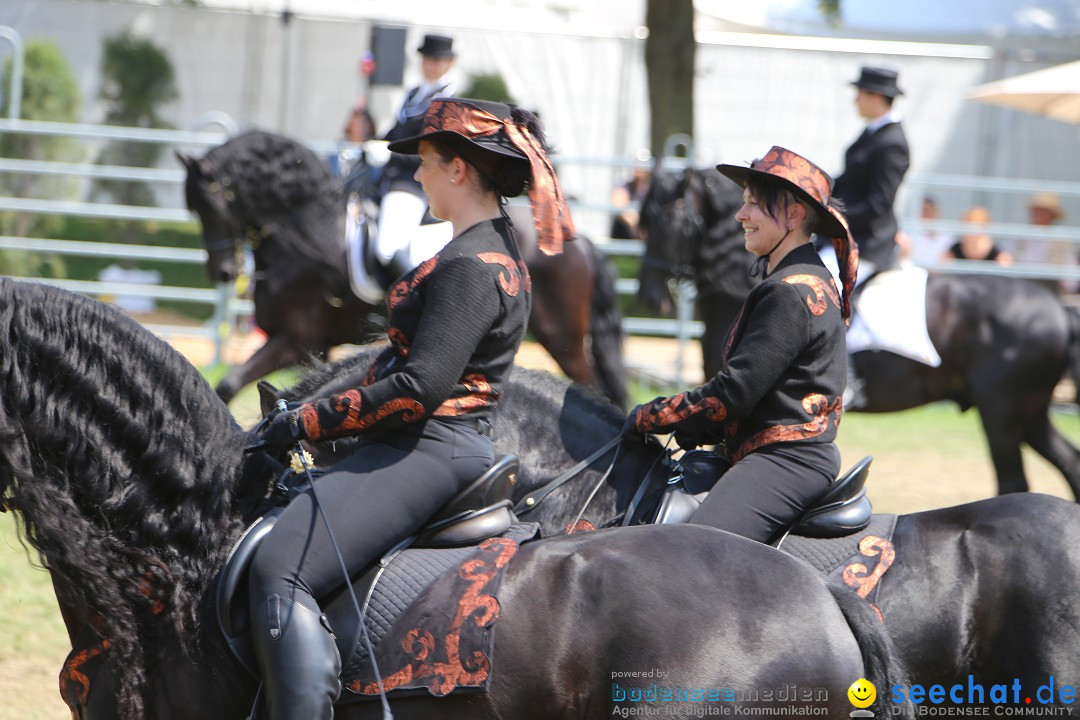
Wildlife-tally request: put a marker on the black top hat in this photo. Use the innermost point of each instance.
(878, 80)
(439, 46)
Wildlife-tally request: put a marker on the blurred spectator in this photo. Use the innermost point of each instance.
(360, 127)
(627, 198)
(128, 274)
(1044, 209)
(925, 247)
(978, 245)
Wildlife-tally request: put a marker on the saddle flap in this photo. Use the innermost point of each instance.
(494, 486)
(230, 598)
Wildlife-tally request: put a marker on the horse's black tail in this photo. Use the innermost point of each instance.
(881, 664)
(606, 330)
(1074, 349)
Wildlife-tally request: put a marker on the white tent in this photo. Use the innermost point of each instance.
(1053, 92)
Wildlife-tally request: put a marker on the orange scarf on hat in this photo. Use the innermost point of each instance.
(551, 215)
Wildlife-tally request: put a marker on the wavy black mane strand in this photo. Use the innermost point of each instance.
(125, 467)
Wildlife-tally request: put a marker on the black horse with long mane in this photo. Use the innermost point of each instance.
(130, 480)
(1004, 342)
(275, 195)
(985, 589)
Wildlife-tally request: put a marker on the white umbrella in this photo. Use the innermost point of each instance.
(1053, 92)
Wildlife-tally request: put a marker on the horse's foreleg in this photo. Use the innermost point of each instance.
(278, 352)
(1045, 439)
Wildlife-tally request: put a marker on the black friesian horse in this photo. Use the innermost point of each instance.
(1004, 342)
(129, 477)
(986, 588)
(275, 195)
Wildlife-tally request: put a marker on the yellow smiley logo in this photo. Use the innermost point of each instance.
(862, 693)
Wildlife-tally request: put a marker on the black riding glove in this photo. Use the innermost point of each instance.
(284, 431)
(630, 432)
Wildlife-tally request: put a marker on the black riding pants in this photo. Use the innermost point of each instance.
(373, 499)
(762, 494)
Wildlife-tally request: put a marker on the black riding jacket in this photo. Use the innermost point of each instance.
(784, 368)
(455, 323)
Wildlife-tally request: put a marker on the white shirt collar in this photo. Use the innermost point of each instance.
(890, 117)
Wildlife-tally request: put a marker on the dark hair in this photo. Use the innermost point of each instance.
(505, 176)
(775, 199)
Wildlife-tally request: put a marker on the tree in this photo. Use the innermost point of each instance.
(50, 92)
(669, 65)
(488, 86)
(137, 79)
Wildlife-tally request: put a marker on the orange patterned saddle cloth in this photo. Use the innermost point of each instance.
(856, 561)
(430, 616)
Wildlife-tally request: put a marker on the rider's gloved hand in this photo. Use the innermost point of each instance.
(630, 431)
(284, 430)
(689, 439)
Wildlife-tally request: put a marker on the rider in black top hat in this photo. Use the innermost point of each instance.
(403, 204)
(423, 411)
(874, 165)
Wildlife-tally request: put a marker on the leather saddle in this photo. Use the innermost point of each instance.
(480, 511)
(842, 510)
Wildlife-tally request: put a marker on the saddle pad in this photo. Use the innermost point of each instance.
(856, 561)
(891, 315)
(431, 616)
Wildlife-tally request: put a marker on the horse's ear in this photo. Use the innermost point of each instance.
(187, 161)
(268, 397)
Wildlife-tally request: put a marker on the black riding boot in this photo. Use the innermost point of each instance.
(299, 661)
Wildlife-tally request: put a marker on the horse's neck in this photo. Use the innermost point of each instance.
(524, 230)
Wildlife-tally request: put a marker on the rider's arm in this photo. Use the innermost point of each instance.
(462, 304)
(777, 330)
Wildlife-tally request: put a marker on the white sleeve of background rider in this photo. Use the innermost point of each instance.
(399, 217)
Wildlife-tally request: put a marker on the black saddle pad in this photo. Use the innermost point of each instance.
(430, 617)
(856, 561)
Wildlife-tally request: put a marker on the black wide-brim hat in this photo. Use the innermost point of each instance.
(439, 46)
(795, 173)
(878, 80)
(454, 121)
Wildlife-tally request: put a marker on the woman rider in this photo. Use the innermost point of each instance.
(423, 412)
(774, 406)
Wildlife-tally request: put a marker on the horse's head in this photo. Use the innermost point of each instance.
(672, 226)
(210, 197)
(126, 469)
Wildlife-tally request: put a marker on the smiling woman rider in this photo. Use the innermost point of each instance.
(773, 408)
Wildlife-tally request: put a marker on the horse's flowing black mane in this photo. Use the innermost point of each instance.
(124, 466)
(282, 186)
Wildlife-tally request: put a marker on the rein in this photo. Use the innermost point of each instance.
(530, 501)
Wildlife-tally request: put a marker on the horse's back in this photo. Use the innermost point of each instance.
(994, 311)
(999, 577)
(707, 608)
